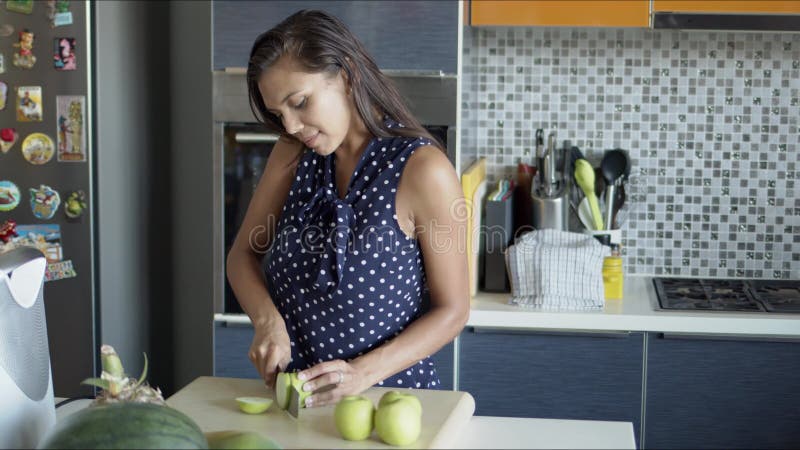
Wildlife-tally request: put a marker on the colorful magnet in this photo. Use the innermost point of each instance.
(44, 202)
(44, 237)
(9, 195)
(8, 230)
(75, 204)
(71, 119)
(58, 12)
(3, 95)
(64, 56)
(20, 6)
(29, 103)
(59, 271)
(8, 137)
(24, 57)
(38, 148)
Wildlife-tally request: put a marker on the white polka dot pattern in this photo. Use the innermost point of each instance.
(342, 273)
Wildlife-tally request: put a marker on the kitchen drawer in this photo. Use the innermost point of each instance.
(706, 393)
(232, 342)
(588, 376)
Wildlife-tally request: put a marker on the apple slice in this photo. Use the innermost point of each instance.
(254, 405)
(283, 382)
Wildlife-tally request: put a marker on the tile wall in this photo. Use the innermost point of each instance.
(710, 120)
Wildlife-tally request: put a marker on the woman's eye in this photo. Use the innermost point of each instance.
(301, 104)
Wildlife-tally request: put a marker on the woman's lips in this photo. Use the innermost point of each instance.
(310, 141)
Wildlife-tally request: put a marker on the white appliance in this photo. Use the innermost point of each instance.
(26, 385)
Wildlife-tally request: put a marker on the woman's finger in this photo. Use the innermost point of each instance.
(324, 398)
(320, 369)
(257, 363)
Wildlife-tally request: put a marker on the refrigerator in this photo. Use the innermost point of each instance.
(47, 190)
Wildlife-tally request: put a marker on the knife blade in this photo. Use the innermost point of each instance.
(294, 403)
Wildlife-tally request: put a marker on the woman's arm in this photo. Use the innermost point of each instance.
(429, 198)
(270, 350)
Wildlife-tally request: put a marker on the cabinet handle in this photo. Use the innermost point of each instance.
(586, 333)
(728, 337)
(256, 138)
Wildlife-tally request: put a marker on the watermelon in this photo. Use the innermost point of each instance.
(240, 440)
(126, 425)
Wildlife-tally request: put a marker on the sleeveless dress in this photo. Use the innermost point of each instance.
(341, 272)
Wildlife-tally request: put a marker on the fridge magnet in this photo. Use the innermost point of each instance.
(29, 103)
(75, 204)
(71, 119)
(20, 6)
(59, 13)
(44, 202)
(9, 195)
(8, 230)
(59, 271)
(64, 56)
(6, 30)
(38, 148)
(2, 63)
(24, 57)
(3, 95)
(43, 237)
(8, 137)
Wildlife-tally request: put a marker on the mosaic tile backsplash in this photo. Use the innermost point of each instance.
(710, 120)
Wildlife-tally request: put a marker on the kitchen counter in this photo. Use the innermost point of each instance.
(634, 312)
(479, 432)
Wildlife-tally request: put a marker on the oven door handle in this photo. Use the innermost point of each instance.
(256, 138)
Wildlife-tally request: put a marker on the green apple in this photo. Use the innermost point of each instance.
(284, 382)
(398, 421)
(355, 417)
(394, 395)
(234, 439)
(254, 405)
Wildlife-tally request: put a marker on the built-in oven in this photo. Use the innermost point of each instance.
(243, 147)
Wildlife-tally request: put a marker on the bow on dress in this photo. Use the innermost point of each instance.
(338, 219)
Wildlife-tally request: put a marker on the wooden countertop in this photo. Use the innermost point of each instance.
(479, 433)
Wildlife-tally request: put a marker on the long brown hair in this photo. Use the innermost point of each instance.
(320, 42)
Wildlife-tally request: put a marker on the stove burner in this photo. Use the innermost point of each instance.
(705, 295)
(778, 296)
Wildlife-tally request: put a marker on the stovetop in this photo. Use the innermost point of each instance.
(772, 296)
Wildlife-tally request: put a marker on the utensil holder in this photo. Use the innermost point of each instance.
(551, 212)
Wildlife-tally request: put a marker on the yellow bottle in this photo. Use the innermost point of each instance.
(613, 276)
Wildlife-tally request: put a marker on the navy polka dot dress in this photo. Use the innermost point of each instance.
(341, 272)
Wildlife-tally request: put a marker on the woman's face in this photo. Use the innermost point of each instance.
(314, 107)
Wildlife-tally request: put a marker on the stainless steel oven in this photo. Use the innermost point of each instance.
(242, 148)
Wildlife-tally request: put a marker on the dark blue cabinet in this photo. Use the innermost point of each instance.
(232, 342)
(588, 376)
(705, 392)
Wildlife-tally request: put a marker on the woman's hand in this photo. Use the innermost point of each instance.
(331, 381)
(270, 351)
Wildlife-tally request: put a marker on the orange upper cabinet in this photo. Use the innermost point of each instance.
(728, 7)
(590, 13)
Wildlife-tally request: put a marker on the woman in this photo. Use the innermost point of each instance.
(349, 242)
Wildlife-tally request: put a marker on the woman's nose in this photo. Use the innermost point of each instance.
(292, 125)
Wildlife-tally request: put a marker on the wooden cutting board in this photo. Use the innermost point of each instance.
(210, 402)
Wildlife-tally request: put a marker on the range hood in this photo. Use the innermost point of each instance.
(718, 21)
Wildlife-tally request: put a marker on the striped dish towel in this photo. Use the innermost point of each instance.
(554, 269)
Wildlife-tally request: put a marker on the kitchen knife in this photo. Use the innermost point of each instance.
(294, 403)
